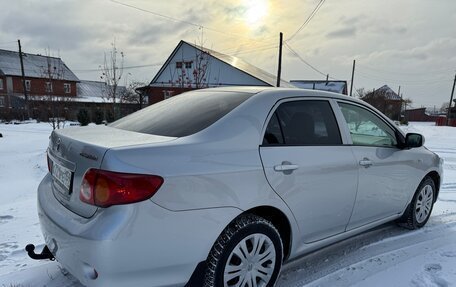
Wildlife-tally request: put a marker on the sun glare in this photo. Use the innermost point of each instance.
(256, 10)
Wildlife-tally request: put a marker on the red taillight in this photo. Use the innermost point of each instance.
(105, 188)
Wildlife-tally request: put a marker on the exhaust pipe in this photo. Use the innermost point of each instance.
(45, 253)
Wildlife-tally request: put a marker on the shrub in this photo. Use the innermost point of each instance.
(98, 116)
(110, 116)
(83, 117)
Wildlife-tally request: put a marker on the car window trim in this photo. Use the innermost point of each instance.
(274, 108)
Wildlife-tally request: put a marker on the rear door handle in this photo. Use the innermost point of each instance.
(366, 162)
(286, 167)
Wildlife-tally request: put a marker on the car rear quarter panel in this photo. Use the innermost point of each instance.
(219, 166)
(138, 244)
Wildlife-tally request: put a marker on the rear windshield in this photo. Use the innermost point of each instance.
(182, 115)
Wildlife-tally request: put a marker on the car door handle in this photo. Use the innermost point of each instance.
(366, 162)
(286, 167)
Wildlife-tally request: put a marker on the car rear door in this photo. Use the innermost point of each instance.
(385, 171)
(306, 163)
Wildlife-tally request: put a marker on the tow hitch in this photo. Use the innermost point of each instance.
(45, 253)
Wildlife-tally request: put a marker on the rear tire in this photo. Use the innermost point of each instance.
(419, 210)
(249, 252)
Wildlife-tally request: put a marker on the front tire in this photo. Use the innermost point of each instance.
(248, 253)
(419, 210)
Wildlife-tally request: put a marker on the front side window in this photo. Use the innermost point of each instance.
(366, 128)
(1, 84)
(178, 65)
(2, 101)
(309, 122)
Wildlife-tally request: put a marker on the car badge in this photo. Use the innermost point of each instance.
(57, 144)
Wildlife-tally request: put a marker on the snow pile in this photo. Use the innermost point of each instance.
(386, 256)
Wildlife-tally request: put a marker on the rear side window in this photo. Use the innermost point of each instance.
(182, 115)
(303, 123)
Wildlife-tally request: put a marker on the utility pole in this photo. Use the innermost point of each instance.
(23, 79)
(451, 99)
(353, 76)
(280, 59)
(400, 110)
(327, 78)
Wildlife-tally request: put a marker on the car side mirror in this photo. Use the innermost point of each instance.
(413, 140)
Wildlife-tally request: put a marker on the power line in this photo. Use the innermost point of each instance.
(309, 18)
(246, 47)
(305, 62)
(182, 21)
(125, 68)
(269, 47)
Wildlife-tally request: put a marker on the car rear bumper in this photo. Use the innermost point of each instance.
(139, 244)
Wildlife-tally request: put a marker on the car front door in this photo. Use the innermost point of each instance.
(385, 171)
(306, 163)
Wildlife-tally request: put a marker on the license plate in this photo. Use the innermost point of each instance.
(62, 174)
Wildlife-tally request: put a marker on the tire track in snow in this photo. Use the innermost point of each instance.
(364, 255)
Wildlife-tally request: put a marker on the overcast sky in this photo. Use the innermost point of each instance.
(411, 43)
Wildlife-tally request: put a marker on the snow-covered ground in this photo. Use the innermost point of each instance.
(385, 256)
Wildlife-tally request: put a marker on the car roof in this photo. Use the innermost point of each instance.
(285, 92)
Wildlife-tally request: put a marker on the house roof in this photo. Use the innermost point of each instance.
(35, 66)
(94, 92)
(235, 62)
(330, 86)
(387, 92)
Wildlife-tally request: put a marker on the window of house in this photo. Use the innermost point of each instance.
(188, 65)
(178, 65)
(2, 101)
(306, 122)
(67, 88)
(1, 84)
(48, 87)
(28, 85)
(366, 128)
(167, 94)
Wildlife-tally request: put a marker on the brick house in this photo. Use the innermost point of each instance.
(53, 90)
(45, 77)
(191, 67)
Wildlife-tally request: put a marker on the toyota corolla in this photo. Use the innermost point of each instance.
(220, 187)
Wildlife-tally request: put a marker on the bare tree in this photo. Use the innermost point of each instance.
(444, 107)
(192, 72)
(361, 92)
(130, 95)
(112, 71)
(53, 72)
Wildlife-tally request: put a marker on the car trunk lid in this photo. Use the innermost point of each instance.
(73, 151)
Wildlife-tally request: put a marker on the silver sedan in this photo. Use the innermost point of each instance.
(220, 187)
